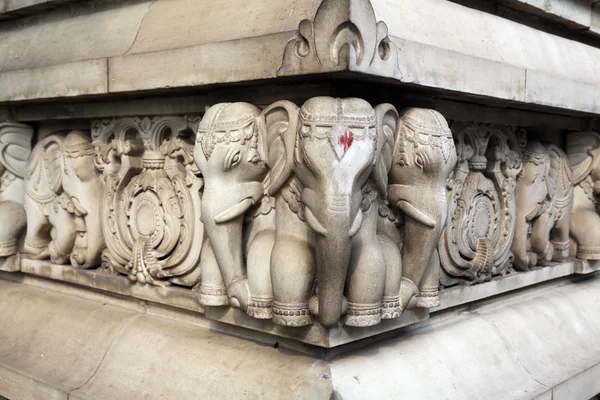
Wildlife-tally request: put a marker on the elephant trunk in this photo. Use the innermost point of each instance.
(334, 229)
(333, 256)
(89, 241)
(223, 218)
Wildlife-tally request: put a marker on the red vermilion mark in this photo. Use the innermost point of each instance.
(345, 140)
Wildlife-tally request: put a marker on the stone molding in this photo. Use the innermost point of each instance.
(333, 213)
(383, 34)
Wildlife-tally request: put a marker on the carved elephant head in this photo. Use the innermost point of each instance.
(424, 156)
(63, 191)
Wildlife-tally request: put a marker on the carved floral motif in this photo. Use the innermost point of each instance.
(476, 243)
(341, 36)
(150, 202)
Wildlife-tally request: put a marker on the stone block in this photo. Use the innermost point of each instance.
(65, 80)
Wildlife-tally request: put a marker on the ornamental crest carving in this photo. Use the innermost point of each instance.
(475, 245)
(344, 35)
(151, 203)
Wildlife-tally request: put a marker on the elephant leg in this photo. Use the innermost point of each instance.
(523, 258)
(559, 237)
(212, 287)
(37, 237)
(13, 227)
(390, 307)
(428, 291)
(292, 270)
(420, 243)
(259, 275)
(540, 238)
(62, 243)
(365, 280)
(585, 230)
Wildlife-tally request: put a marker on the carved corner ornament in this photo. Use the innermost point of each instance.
(344, 35)
(583, 149)
(476, 242)
(15, 147)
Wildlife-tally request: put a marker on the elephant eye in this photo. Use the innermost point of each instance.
(419, 161)
(232, 159)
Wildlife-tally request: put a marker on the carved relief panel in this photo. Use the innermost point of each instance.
(150, 205)
(583, 149)
(476, 244)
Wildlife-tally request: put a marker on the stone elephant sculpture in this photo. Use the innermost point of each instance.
(232, 155)
(62, 200)
(15, 147)
(329, 156)
(423, 158)
(583, 149)
(544, 198)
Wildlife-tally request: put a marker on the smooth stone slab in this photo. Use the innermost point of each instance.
(172, 295)
(576, 14)
(587, 267)
(56, 341)
(10, 264)
(537, 344)
(230, 320)
(459, 295)
(65, 80)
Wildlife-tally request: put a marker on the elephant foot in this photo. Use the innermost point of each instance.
(260, 308)
(546, 256)
(428, 299)
(37, 250)
(390, 307)
(588, 253)
(8, 248)
(295, 315)
(238, 293)
(408, 294)
(213, 296)
(561, 251)
(57, 256)
(361, 315)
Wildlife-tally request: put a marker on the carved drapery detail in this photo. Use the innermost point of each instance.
(476, 243)
(341, 36)
(150, 203)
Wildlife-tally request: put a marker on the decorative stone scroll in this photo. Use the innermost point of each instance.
(583, 149)
(477, 240)
(344, 34)
(150, 204)
(15, 147)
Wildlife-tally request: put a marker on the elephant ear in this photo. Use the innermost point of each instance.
(53, 162)
(387, 125)
(560, 174)
(583, 158)
(278, 125)
(15, 147)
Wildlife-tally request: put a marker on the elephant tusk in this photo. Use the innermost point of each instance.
(415, 214)
(314, 223)
(235, 211)
(356, 224)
